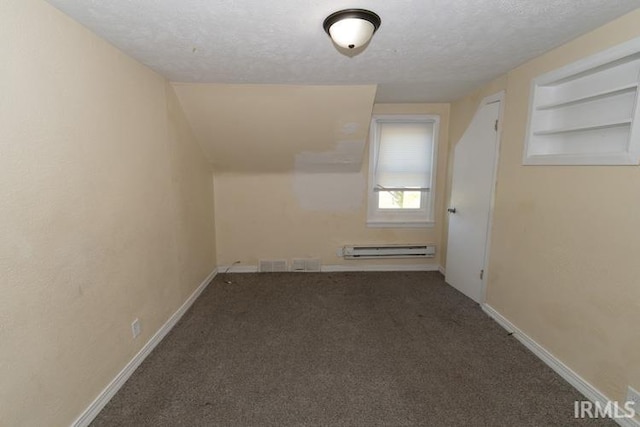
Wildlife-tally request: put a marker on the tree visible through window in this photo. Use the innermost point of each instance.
(399, 199)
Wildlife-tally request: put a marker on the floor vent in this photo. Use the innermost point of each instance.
(270, 266)
(305, 264)
(388, 251)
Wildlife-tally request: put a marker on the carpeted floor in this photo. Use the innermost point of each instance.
(340, 349)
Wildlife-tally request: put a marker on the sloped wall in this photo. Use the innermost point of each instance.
(312, 214)
(259, 129)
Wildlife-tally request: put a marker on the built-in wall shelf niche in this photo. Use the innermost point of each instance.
(587, 113)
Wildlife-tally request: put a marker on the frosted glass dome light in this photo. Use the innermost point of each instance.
(351, 28)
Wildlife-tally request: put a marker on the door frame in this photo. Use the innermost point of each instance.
(496, 97)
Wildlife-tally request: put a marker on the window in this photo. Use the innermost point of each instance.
(402, 158)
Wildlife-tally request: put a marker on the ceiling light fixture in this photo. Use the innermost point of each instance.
(351, 28)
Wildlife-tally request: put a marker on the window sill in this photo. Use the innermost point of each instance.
(400, 224)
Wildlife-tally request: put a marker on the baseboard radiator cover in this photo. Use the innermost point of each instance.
(387, 251)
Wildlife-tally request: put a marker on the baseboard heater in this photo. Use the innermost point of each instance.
(388, 251)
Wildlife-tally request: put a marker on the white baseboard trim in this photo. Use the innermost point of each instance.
(343, 267)
(579, 383)
(237, 269)
(110, 390)
(442, 270)
(379, 267)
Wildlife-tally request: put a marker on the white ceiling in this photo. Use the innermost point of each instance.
(425, 50)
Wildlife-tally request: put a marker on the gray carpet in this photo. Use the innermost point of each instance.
(340, 349)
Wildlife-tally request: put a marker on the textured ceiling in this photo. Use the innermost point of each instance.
(425, 50)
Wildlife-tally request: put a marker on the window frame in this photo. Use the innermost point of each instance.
(424, 217)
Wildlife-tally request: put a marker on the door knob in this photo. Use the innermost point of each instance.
(451, 210)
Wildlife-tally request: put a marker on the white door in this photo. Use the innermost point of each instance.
(474, 166)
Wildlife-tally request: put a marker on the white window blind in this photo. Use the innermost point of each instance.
(404, 157)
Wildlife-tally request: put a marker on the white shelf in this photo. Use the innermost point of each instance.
(611, 59)
(611, 159)
(586, 112)
(558, 131)
(588, 98)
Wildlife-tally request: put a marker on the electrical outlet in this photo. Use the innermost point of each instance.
(135, 328)
(634, 396)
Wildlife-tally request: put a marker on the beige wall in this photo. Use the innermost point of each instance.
(564, 256)
(106, 213)
(296, 214)
(264, 128)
